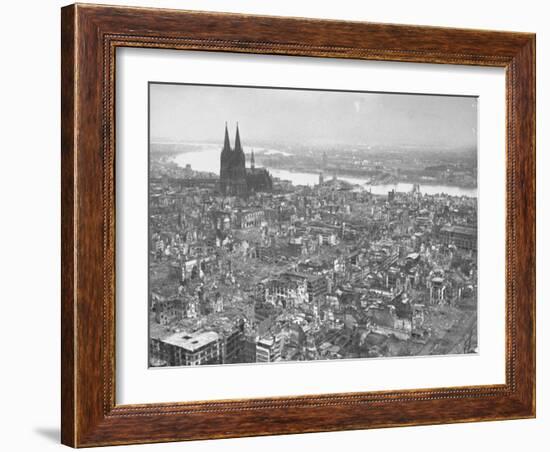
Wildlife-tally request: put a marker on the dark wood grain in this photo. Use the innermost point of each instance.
(68, 388)
(90, 36)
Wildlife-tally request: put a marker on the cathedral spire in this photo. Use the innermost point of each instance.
(226, 144)
(252, 160)
(238, 147)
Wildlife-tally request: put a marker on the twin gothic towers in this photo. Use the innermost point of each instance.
(235, 178)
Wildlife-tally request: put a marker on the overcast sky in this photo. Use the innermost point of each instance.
(198, 113)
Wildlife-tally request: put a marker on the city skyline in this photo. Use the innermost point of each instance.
(274, 256)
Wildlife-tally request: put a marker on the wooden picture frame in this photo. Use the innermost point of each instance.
(90, 35)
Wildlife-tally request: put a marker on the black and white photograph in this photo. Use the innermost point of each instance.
(300, 225)
(275, 226)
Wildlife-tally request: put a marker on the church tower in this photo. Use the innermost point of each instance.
(225, 155)
(225, 161)
(232, 167)
(226, 143)
(239, 177)
(235, 178)
(238, 147)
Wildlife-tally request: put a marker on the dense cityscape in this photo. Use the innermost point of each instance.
(245, 267)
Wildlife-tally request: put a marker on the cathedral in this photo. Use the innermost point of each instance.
(235, 178)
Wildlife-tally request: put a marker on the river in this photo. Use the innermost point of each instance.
(208, 159)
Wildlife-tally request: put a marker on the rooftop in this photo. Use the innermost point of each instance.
(192, 341)
(460, 230)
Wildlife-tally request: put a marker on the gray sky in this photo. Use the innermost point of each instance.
(198, 113)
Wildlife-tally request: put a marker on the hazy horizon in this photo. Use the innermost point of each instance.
(198, 113)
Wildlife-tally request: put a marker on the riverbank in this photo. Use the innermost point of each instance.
(207, 160)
